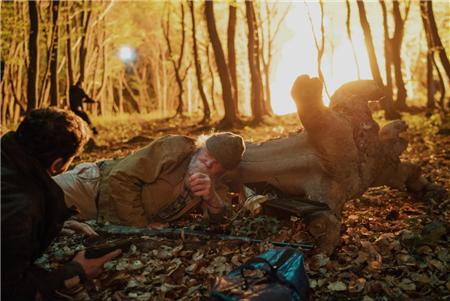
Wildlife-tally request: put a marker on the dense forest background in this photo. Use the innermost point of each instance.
(223, 59)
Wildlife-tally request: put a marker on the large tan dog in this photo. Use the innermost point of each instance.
(339, 155)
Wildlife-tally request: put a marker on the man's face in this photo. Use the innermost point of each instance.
(209, 164)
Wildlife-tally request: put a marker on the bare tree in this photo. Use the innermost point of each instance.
(431, 62)
(70, 75)
(396, 45)
(33, 54)
(253, 49)
(267, 45)
(177, 63)
(389, 111)
(369, 43)
(198, 68)
(435, 38)
(230, 118)
(84, 18)
(387, 57)
(319, 46)
(231, 35)
(349, 34)
(212, 75)
(54, 55)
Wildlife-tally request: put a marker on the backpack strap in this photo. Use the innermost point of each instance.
(273, 269)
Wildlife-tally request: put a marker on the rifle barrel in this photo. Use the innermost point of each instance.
(117, 229)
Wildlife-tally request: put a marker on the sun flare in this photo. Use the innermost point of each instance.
(299, 56)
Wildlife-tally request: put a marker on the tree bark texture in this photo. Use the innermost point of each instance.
(33, 55)
(231, 36)
(255, 100)
(387, 101)
(396, 46)
(349, 34)
(431, 57)
(198, 68)
(230, 117)
(369, 43)
(177, 62)
(436, 39)
(85, 18)
(54, 56)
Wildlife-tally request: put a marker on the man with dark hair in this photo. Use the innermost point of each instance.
(76, 98)
(33, 208)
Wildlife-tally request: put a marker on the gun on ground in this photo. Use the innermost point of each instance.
(177, 233)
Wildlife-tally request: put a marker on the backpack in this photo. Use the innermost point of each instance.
(277, 274)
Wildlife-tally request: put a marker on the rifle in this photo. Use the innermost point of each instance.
(177, 233)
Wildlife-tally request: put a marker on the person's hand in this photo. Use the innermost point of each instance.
(214, 205)
(80, 227)
(200, 185)
(93, 267)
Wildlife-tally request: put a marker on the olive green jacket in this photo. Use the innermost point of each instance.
(134, 189)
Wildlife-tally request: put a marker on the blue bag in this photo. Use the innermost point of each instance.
(277, 274)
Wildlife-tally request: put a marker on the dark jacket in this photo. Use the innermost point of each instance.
(77, 96)
(33, 211)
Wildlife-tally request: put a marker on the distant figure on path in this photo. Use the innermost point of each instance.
(76, 98)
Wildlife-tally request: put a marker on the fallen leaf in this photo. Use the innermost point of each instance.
(337, 286)
(420, 278)
(353, 217)
(357, 285)
(437, 264)
(407, 285)
(424, 250)
(375, 265)
(317, 261)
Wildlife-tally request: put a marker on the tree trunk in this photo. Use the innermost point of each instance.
(387, 101)
(396, 46)
(266, 106)
(54, 56)
(177, 63)
(69, 49)
(320, 47)
(424, 8)
(230, 117)
(198, 68)
(430, 83)
(349, 34)
(85, 18)
(389, 111)
(231, 34)
(213, 81)
(369, 43)
(33, 55)
(436, 39)
(256, 105)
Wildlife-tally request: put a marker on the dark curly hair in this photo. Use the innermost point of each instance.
(51, 133)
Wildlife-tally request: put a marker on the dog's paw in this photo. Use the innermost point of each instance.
(306, 89)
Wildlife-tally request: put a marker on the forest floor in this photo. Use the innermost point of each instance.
(393, 247)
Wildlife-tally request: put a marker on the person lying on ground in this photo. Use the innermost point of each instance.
(33, 207)
(157, 184)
